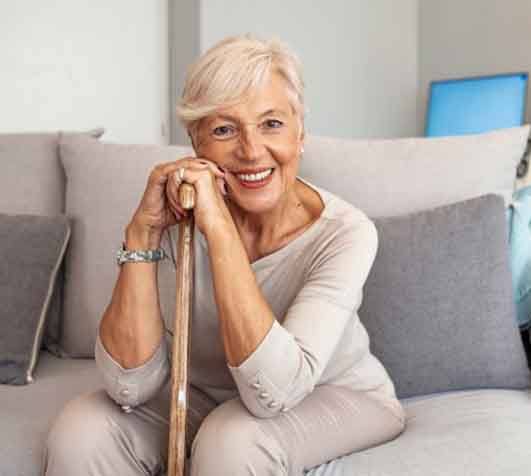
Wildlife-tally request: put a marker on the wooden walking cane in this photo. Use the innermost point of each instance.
(181, 335)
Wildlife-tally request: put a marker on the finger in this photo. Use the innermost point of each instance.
(174, 216)
(194, 163)
(221, 185)
(172, 193)
(175, 209)
(218, 170)
(161, 171)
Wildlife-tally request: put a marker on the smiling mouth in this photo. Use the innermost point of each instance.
(255, 181)
(258, 177)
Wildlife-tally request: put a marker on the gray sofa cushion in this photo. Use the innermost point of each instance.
(105, 185)
(27, 412)
(33, 248)
(438, 302)
(33, 182)
(472, 433)
(388, 177)
(32, 179)
(376, 167)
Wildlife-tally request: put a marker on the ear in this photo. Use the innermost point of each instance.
(192, 141)
(301, 137)
(302, 129)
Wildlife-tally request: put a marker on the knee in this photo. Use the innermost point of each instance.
(231, 441)
(81, 431)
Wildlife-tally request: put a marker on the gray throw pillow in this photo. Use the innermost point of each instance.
(438, 303)
(33, 248)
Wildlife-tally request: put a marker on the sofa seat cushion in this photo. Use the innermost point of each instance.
(473, 432)
(28, 411)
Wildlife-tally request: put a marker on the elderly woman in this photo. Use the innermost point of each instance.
(282, 378)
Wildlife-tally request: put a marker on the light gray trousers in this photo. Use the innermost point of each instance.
(93, 436)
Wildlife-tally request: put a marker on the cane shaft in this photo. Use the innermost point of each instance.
(181, 337)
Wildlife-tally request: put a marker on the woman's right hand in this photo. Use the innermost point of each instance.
(155, 213)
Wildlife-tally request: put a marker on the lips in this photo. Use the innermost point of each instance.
(251, 171)
(255, 184)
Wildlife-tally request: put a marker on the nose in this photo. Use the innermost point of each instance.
(250, 142)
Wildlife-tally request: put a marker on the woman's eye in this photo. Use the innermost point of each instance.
(273, 124)
(224, 131)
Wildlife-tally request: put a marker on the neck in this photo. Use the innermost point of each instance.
(272, 225)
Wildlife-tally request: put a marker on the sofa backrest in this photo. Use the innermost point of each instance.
(32, 179)
(390, 177)
(382, 177)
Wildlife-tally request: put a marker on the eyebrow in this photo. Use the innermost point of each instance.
(265, 113)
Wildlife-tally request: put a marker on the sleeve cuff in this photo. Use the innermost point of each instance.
(134, 386)
(263, 388)
(268, 353)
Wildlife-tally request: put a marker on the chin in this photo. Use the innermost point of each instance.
(257, 206)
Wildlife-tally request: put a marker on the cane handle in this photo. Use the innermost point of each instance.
(187, 196)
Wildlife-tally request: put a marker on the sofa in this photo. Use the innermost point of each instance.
(439, 303)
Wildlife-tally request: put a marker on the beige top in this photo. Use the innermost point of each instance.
(314, 287)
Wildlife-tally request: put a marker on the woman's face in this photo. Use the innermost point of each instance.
(262, 132)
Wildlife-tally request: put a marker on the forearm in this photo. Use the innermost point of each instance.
(131, 328)
(268, 366)
(245, 316)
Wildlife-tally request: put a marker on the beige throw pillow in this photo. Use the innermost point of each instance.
(105, 183)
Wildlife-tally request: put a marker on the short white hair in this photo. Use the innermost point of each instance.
(230, 69)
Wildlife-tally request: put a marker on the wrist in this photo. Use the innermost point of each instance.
(220, 229)
(138, 237)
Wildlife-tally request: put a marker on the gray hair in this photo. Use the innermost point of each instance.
(225, 73)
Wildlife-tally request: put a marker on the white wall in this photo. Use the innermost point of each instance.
(73, 64)
(359, 57)
(184, 49)
(462, 38)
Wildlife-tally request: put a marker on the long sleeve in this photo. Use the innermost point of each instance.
(290, 360)
(135, 386)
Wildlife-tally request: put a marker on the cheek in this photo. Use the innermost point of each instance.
(286, 152)
(210, 152)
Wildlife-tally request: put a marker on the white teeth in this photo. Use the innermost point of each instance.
(254, 177)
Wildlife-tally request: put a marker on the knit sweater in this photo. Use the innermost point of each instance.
(314, 286)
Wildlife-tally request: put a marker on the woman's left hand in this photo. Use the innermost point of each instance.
(208, 181)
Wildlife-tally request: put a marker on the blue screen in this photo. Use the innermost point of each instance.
(475, 105)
